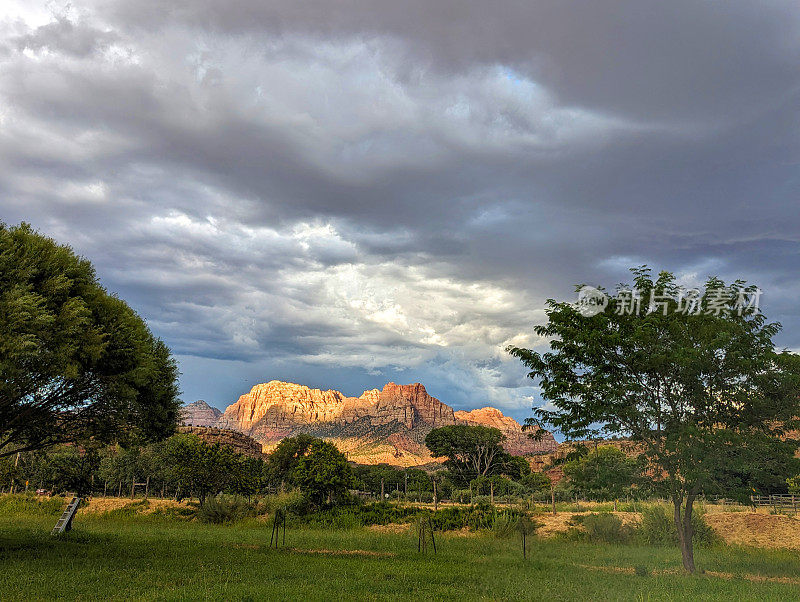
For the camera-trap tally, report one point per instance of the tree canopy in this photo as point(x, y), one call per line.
point(75, 361)
point(605, 473)
point(693, 376)
point(285, 457)
point(199, 467)
point(471, 451)
point(322, 473)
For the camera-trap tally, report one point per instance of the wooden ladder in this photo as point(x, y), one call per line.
point(65, 522)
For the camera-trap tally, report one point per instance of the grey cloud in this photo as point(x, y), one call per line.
point(664, 59)
point(65, 36)
point(390, 191)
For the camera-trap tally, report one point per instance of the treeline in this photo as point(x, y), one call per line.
point(181, 466)
point(184, 466)
point(416, 485)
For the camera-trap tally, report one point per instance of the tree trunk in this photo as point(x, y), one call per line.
point(685, 534)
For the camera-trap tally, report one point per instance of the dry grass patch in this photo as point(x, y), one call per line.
point(757, 529)
point(101, 505)
point(552, 524)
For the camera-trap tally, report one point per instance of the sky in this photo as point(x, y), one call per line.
point(342, 194)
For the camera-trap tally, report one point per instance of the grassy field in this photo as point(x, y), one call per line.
point(119, 556)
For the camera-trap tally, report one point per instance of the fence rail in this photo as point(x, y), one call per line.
point(777, 501)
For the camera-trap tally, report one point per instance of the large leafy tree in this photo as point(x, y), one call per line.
point(75, 361)
point(198, 467)
point(471, 451)
point(605, 473)
point(322, 473)
point(694, 377)
point(285, 457)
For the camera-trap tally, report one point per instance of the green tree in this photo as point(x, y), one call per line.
point(471, 451)
point(197, 466)
point(516, 467)
point(370, 477)
point(62, 468)
point(699, 385)
point(75, 361)
point(604, 474)
point(285, 457)
point(536, 482)
point(246, 476)
point(323, 474)
point(418, 482)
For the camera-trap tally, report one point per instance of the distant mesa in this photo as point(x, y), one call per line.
point(239, 442)
point(387, 425)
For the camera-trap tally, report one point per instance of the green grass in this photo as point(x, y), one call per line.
point(157, 557)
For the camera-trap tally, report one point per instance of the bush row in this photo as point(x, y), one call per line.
point(656, 527)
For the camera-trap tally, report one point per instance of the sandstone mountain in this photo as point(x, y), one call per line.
point(199, 413)
point(387, 425)
point(517, 441)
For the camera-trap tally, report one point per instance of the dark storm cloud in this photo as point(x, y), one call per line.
point(383, 190)
point(649, 58)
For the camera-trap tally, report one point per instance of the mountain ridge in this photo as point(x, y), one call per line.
point(381, 425)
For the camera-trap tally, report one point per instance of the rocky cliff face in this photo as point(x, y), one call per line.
point(199, 413)
point(386, 425)
point(279, 405)
point(239, 442)
point(517, 441)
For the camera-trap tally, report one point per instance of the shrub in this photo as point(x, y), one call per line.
point(505, 526)
point(29, 504)
point(600, 527)
point(220, 510)
point(658, 527)
point(173, 512)
point(479, 516)
point(641, 571)
point(292, 501)
point(606, 527)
